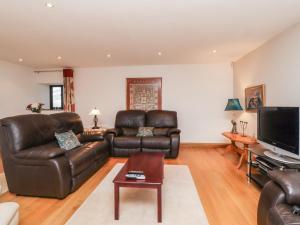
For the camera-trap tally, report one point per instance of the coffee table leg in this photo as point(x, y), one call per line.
point(117, 201)
point(159, 217)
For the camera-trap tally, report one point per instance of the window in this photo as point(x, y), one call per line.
point(56, 97)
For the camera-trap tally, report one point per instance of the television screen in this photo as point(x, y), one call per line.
point(279, 126)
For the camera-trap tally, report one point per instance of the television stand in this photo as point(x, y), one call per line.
point(259, 164)
point(281, 158)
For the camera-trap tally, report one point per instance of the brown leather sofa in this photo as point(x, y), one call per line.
point(34, 164)
point(277, 199)
point(123, 140)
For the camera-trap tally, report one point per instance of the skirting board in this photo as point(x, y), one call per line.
point(203, 145)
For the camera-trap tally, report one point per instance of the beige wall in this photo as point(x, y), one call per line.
point(275, 64)
point(18, 88)
point(197, 92)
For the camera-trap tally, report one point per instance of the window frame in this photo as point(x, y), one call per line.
point(51, 97)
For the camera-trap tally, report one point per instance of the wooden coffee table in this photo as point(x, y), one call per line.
point(153, 166)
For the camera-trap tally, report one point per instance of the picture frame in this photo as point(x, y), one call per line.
point(144, 93)
point(254, 98)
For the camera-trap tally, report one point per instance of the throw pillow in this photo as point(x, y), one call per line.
point(145, 132)
point(67, 140)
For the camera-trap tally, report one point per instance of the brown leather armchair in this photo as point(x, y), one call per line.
point(34, 164)
point(124, 141)
point(277, 199)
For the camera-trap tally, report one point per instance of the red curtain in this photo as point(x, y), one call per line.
point(69, 101)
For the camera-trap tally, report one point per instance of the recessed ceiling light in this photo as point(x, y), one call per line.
point(20, 60)
point(159, 53)
point(108, 55)
point(214, 51)
point(59, 57)
point(49, 5)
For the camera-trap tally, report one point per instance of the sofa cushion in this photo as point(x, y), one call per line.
point(80, 158)
point(46, 151)
point(31, 130)
point(161, 119)
point(127, 142)
point(129, 131)
point(67, 121)
point(160, 131)
point(124, 152)
point(130, 119)
point(100, 148)
point(156, 142)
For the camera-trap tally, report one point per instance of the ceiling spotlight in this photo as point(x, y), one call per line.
point(108, 55)
point(20, 60)
point(59, 57)
point(159, 53)
point(49, 5)
point(214, 51)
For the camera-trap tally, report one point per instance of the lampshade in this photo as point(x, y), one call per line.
point(94, 112)
point(233, 104)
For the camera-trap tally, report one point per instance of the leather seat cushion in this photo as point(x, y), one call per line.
point(80, 158)
point(127, 142)
point(157, 142)
point(100, 147)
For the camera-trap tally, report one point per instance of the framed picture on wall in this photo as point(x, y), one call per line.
point(144, 93)
point(254, 98)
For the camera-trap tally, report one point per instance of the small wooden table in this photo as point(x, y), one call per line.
point(237, 138)
point(153, 166)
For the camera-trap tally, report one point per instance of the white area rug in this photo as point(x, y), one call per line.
point(3, 184)
point(181, 204)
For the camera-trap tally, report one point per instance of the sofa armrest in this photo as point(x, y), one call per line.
point(289, 181)
point(114, 131)
point(173, 131)
point(282, 214)
point(42, 154)
point(90, 137)
point(53, 176)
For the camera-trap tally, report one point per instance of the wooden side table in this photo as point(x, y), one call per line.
point(237, 138)
point(93, 134)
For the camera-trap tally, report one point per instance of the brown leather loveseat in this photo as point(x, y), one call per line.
point(34, 164)
point(166, 137)
point(278, 198)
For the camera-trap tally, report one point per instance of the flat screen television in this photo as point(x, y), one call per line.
point(279, 126)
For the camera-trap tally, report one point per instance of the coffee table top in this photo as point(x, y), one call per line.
point(151, 163)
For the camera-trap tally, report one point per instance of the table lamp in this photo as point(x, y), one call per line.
point(233, 104)
point(95, 112)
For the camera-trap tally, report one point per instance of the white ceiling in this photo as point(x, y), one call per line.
point(83, 32)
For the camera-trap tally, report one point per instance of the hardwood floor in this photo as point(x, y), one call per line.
point(225, 194)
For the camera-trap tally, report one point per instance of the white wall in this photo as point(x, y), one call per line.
point(197, 92)
point(275, 64)
point(50, 77)
point(18, 88)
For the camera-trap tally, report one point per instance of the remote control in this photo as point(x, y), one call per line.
point(135, 172)
point(135, 176)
